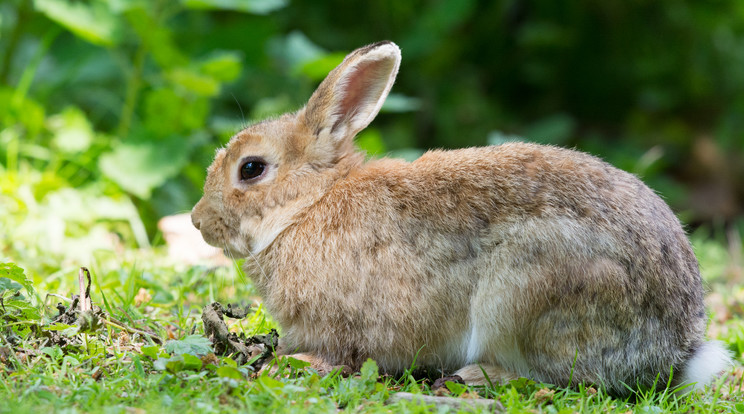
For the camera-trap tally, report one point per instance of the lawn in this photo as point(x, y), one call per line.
point(139, 346)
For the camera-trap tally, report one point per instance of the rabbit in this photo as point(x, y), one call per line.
point(517, 260)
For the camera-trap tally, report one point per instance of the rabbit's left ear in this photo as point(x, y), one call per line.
point(352, 94)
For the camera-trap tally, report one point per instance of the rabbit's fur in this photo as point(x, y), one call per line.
point(522, 259)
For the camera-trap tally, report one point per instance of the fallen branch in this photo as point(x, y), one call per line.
point(119, 325)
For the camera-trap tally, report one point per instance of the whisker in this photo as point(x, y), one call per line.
point(237, 268)
point(242, 115)
point(263, 273)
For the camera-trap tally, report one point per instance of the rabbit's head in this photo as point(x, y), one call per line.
point(271, 171)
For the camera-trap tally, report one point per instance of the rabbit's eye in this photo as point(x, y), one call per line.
point(252, 169)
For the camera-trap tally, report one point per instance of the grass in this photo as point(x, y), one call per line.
point(118, 369)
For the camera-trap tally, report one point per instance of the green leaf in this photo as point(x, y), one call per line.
point(496, 137)
point(195, 82)
point(26, 309)
point(370, 141)
point(268, 383)
point(317, 69)
point(54, 352)
point(522, 384)
point(91, 21)
point(555, 129)
point(16, 274)
point(168, 112)
point(72, 130)
point(173, 364)
point(118, 6)
point(455, 388)
point(247, 6)
point(370, 371)
point(407, 154)
point(270, 106)
point(297, 364)
point(27, 112)
point(296, 50)
point(191, 362)
point(81, 206)
point(434, 26)
point(396, 102)
point(95, 347)
point(7, 284)
point(227, 371)
point(223, 66)
point(151, 351)
point(192, 344)
point(139, 167)
point(72, 361)
point(57, 327)
point(157, 38)
point(138, 368)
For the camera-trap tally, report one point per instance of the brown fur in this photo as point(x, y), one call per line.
point(525, 259)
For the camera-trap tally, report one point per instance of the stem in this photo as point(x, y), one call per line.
point(24, 84)
point(12, 151)
point(134, 84)
point(15, 36)
point(113, 323)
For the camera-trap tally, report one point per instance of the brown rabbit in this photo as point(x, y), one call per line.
point(525, 260)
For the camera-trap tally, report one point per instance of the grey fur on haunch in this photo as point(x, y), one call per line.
point(516, 260)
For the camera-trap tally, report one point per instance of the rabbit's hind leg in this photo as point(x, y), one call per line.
point(482, 374)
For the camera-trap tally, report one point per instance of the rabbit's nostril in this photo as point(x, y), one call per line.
point(195, 222)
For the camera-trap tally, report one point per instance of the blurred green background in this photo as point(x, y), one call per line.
point(110, 110)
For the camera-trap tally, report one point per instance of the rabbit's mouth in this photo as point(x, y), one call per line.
point(220, 237)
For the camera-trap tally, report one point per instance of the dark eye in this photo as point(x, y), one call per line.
point(252, 169)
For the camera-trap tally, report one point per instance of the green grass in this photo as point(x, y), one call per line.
point(169, 369)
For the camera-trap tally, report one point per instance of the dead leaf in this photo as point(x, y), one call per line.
point(143, 296)
point(544, 395)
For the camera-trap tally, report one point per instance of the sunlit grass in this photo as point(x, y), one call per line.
point(142, 288)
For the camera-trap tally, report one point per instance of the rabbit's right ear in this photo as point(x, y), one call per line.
point(352, 94)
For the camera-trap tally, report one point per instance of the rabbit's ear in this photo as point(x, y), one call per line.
point(352, 94)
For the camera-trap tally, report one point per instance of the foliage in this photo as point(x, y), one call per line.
point(12, 277)
point(110, 111)
point(137, 94)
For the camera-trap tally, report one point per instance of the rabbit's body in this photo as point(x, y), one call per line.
point(542, 257)
point(527, 260)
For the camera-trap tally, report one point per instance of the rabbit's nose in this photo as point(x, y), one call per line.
point(195, 221)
